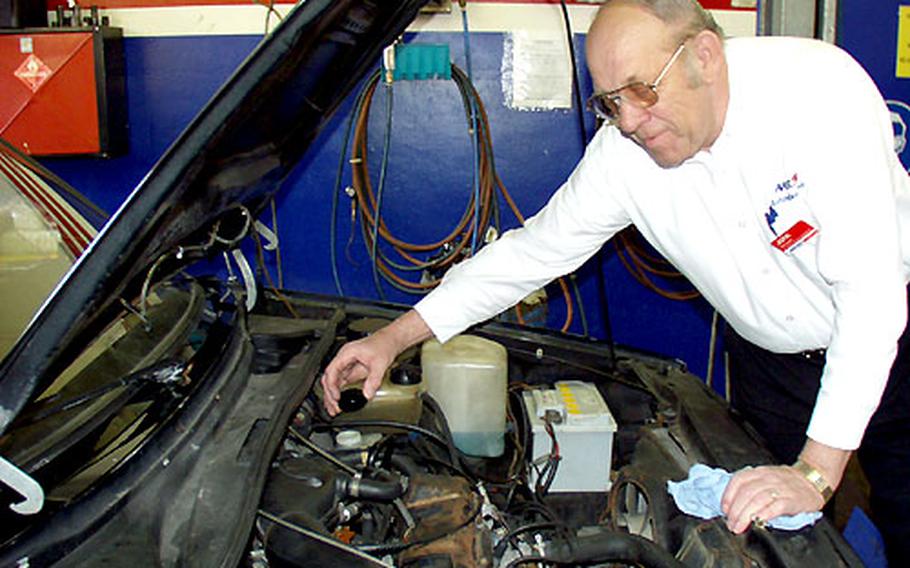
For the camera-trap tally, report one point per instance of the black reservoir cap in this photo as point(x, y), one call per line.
point(404, 376)
point(352, 400)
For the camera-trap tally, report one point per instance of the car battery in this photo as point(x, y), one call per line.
point(583, 428)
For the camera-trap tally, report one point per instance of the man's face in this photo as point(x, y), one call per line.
point(628, 44)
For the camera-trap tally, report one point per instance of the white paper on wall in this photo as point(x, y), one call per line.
point(536, 71)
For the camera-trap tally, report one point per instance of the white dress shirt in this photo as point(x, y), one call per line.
point(789, 225)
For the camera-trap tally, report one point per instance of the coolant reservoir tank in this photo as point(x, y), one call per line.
point(467, 376)
point(397, 399)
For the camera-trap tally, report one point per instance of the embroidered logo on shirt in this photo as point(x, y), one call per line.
point(785, 191)
point(771, 217)
point(788, 184)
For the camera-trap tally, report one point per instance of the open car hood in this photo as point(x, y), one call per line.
point(235, 153)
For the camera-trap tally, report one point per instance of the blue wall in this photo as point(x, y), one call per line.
point(168, 81)
point(429, 179)
point(868, 30)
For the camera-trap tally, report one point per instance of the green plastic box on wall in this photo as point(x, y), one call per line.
point(417, 61)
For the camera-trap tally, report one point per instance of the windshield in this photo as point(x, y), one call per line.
point(111, 397)
point(41, 235)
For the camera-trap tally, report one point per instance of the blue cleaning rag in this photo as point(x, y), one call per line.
point(700, 495)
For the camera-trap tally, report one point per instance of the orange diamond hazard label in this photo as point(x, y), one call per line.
point(33, 72)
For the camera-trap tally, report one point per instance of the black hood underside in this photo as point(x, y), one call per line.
point(233, 156)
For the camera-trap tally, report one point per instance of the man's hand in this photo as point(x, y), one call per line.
point(763, 493)
point(365, 360)
point(369, 358)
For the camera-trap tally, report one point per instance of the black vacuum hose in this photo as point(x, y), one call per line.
point(371, 489)
point(612, 546)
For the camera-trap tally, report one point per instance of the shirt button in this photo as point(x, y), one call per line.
point(741, 224)
point(789, 318)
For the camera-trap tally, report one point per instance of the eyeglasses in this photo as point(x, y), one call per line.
point(641, 94)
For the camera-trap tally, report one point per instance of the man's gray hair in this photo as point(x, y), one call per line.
point(687, 14)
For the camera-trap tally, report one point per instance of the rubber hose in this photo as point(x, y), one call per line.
point(613, 547)
point(371, 489)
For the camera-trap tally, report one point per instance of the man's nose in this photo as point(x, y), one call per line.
point(631, 118)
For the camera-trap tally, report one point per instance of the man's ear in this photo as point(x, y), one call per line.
point(708, 49)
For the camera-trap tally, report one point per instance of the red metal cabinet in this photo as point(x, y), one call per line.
point(62, 91)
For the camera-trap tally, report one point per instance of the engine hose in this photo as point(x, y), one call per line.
point(613, 546)
point(371, 489)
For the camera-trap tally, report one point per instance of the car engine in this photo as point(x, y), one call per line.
point(385, 484)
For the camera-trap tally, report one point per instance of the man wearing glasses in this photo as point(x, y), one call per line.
point(764, 169)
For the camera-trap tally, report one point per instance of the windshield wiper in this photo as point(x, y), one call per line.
point(169, 373)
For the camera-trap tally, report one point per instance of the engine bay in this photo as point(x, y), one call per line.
point(525, 447)
point(386, 483)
